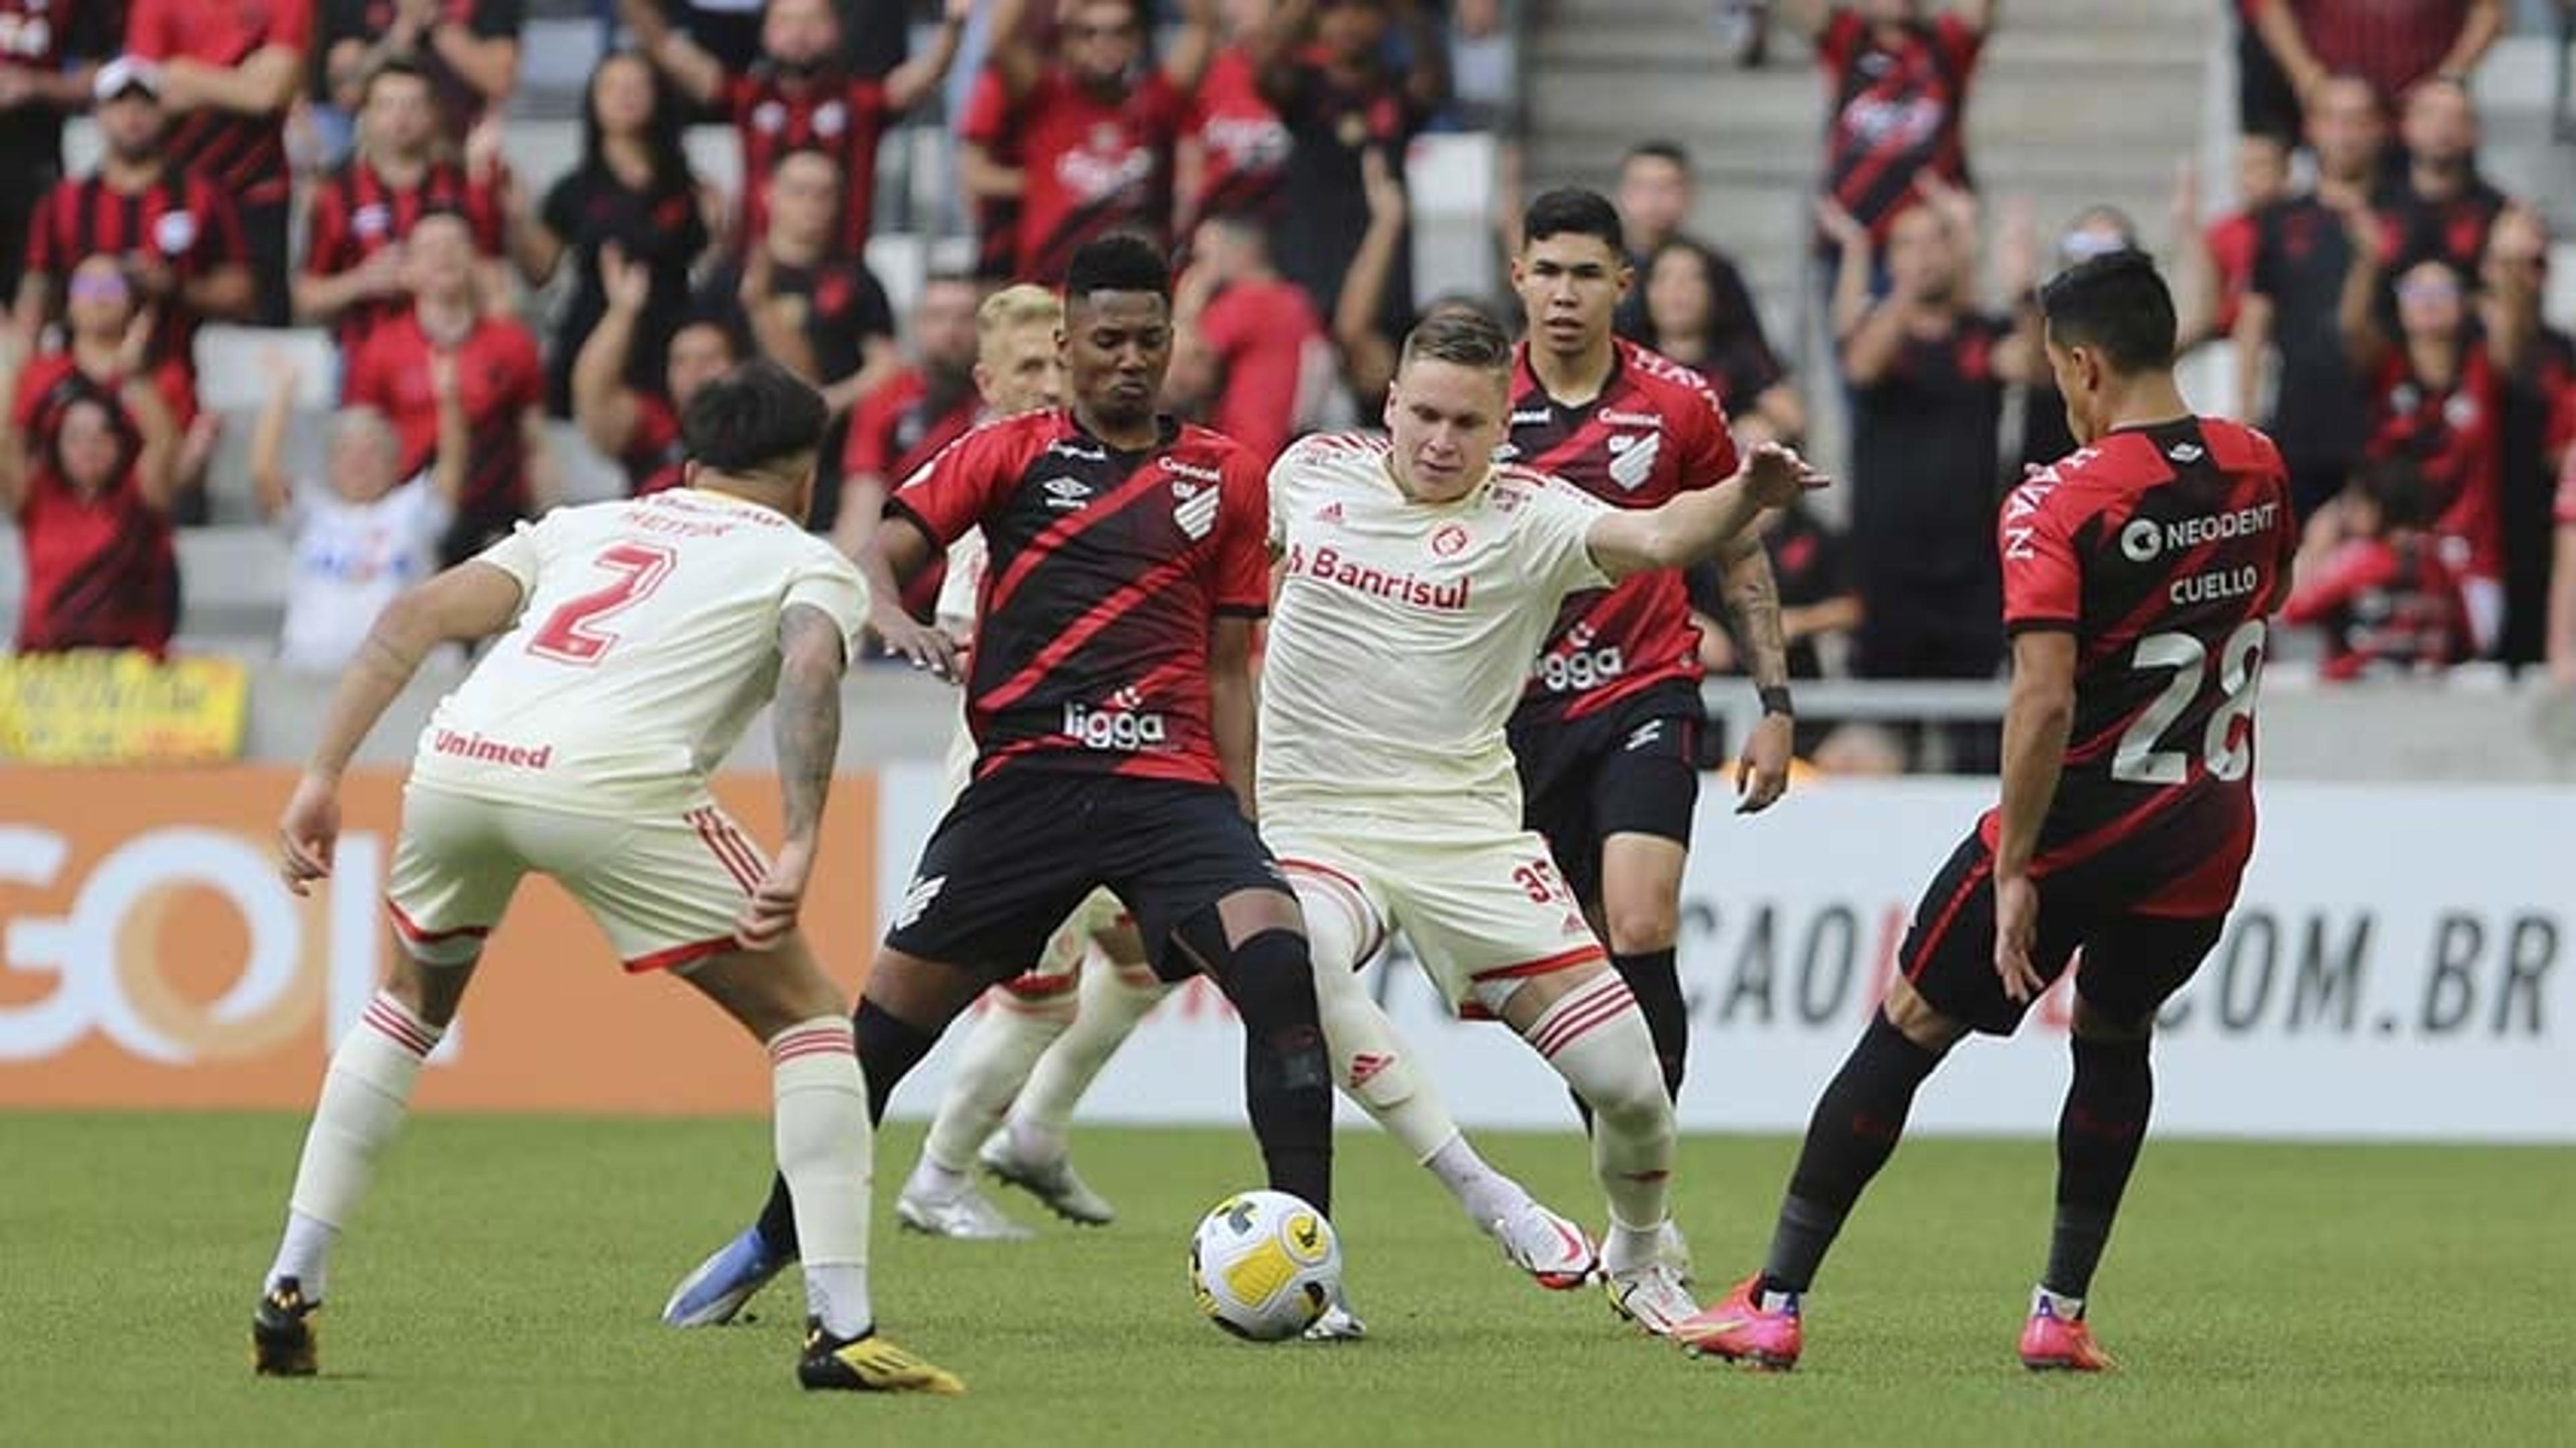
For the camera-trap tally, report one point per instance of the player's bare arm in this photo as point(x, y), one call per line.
point(472, 601)
point(806, 715)
point(2036, 725)
point(895, 550)
point(1753, 605)
point(1698, 525)
point(1233, 709)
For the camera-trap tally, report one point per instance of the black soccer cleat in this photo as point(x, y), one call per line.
point(867, 1363)
point(281, 1333)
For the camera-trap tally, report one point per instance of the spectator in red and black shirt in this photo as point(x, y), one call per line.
point(799, 97)
point(231, 69)
point(990, 170)
point(468, 50)
point(1340, 98)
point(640, 426)
point(46, 61)
point(87, 472)
point(2392, 44)
point(2537, 363)
point(1249, 354)
point(360, 213)
point(632, 189)
point(498, 378)
point(922, 408)
point(174, 231)
point(2383, 596)
point(1096, 125)
point(1655, 196)
point(2440, 207)
point(805, 303)
point(2227, 246)
point(1691, 316)
point(1234, 149)
point(1899, 83)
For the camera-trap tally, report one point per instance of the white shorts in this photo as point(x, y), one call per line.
point(1485, 908)
point(665, 890)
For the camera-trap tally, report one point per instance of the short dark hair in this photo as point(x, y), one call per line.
point(391, 65)
point(1573, 211)
point(1460, 336)
point(1658, 150)
point(1119, 262)
point(2396, 486)
point(2116, 305)
point(753, 419)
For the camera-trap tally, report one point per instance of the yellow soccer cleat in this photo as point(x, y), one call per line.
point(868, 1364)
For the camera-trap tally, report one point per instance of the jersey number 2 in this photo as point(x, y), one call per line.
point(2137, 760)
point(571, 634)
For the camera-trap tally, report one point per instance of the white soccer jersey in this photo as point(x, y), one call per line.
point(646, 641)
point(1404, 632)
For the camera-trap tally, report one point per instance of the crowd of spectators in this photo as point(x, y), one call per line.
point(2383, 297)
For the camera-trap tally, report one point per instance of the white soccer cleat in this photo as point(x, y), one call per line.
point(965, 1217)
point(1335, 1325)
point(1652, 1296)
point(1673, 1250)
point(1051, 1182)
point(1556, 1253)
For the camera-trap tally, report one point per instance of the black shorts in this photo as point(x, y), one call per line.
point(1021, 848)
point(2132, 963)
point(1629, 769)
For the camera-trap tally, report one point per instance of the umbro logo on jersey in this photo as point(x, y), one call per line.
point(1632, 461)
point(917, 897)
point(2186, 453)
point(1196, 515)
point(1645, 734)
point(1066, 492)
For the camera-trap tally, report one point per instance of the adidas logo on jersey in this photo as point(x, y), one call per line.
point(1329, 513)
point(1632, 460)
point(1196, 510)
point(917, 897)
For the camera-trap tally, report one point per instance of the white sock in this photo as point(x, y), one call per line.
point(1487, 1195)
point(2058, 1304)
point(1113, 1003)
point(932, 1181)
point(825, 1148)
point(1596, 1038)
point(1371, 1063)
point(365, 1096)
point(1004, 1046)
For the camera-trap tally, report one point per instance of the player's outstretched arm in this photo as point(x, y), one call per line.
point(1702, 523)
point(806, 714)
point(473, 600)
point(2036, 725)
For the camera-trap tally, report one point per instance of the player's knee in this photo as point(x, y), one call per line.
point(2093, 1023)
point(1643, 922)
point(430, 989)
point(1918, 1020)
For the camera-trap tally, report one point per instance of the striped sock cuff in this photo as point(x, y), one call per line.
point(1578, 1012)
point(395, 1022)
point(821, 1036)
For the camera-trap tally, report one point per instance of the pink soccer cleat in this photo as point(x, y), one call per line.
point(2050, 1343)
point(1739, 1330)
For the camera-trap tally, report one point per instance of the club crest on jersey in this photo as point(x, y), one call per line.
point(1195, 510)
point(1448, 542)
point(1632, 460)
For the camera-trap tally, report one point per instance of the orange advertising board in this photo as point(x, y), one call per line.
point(150, 957)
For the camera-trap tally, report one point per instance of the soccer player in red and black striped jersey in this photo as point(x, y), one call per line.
point(230, 69)
point(361, 212)
point(2139, 573)
point(175, 231)
point(799, 98)
point(1607, 734)
point(1096, 124)
point(1898, 110)
point(1110, 696)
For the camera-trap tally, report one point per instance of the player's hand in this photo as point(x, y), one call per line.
point(1762, 773)
point(1840, 226)
point(926, 646)
point(770, 913)
point(626, 283)
point(1776, 476)
point(308, 834)
point(2016, 927)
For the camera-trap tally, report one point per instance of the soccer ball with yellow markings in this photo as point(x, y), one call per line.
point(1264, 1265)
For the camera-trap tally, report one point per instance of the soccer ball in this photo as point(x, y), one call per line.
point(1264, 1265)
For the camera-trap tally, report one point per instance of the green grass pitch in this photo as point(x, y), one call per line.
point(502, 1282)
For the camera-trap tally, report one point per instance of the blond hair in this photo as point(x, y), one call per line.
point(1014, 307)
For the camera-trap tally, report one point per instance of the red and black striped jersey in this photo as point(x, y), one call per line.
point(1655, 430)
point(1244, 142)
point(1108, 572)
point(102, 571)
point(243, 154)
point(356, 213)
point(183, 220)
point(842, 116)
point(1896, 110)
point(1094, 166)
point(2163, 549)
point(2383, 602)
point(991, 121)
point(2452, 434)
point(500, 381)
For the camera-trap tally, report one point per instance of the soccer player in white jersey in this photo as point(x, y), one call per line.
point(1419, 580)
point(640, 639)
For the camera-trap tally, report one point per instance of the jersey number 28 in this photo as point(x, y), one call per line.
point(571, 634)
point(2137, 760)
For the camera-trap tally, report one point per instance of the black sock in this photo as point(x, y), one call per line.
point(888, 1050)
point(1287, 1077)
point(2098, 1137)
point(1654, 977)
point(1856, 1127)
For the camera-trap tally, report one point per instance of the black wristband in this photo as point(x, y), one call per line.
point(1775, 699)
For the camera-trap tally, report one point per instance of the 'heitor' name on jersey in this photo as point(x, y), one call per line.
point(1329, 566)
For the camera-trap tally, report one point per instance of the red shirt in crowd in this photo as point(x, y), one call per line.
point(1897, 110)
point(2451, 433)
point(497, 372)
point(102, 571)
point(1240, 136)
point(988, 122)
point(2384, 601)
point(356, 213)
point(2390, 43)
point(1094, 166)
point(244, 155)
point(894, 431)
point(2233, 240)
point(1271, 346)
point(841, 116)
point(185, 221)
point(653, 451)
